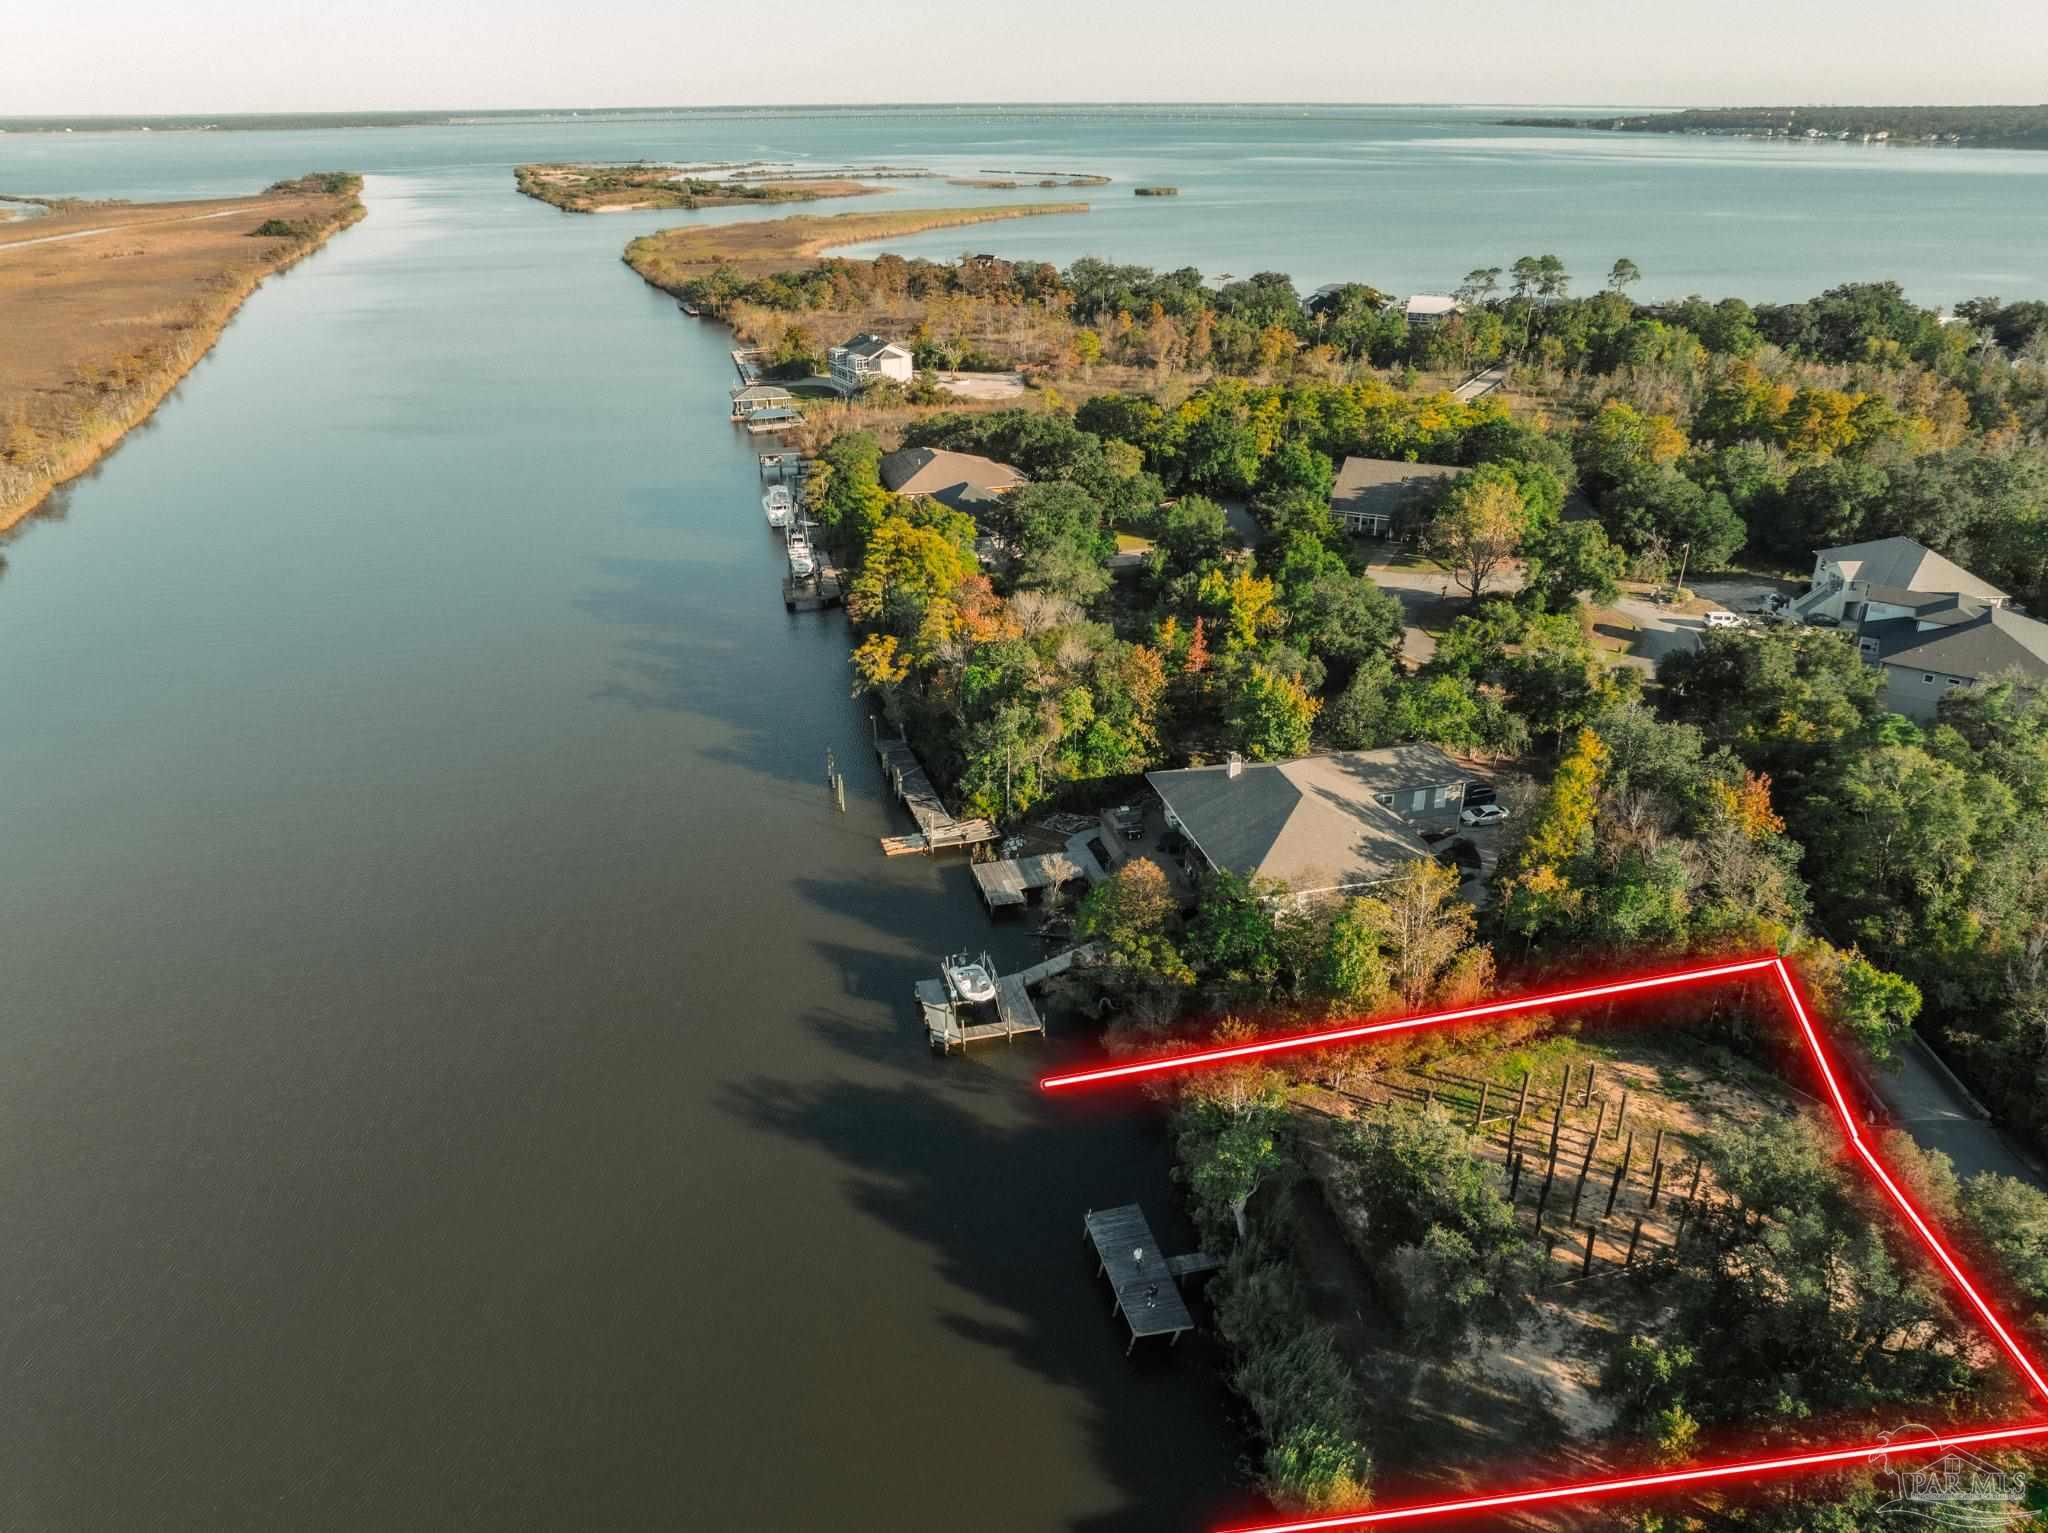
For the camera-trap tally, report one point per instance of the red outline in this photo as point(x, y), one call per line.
point(1698, 1474)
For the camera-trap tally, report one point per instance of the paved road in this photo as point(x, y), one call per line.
point(1926, 1105)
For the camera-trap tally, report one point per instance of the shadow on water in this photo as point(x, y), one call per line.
point(996, 1197)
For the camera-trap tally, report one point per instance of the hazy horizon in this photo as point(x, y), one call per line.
point(385, 56)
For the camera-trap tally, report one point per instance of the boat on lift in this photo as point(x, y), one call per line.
point(779, 504)
point(967, 981)
point(802, 562)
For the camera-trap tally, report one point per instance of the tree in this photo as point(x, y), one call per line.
point(1623, 275)
point(1268, 714)
point(1570, 558)
point(1478, 527)
point(1135, 916)
point(1424, 927)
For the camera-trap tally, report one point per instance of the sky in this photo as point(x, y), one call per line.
point(137, 57)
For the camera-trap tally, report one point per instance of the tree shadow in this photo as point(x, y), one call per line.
point(994, 1184)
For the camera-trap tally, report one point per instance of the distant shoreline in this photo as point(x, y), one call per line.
point(1946, 127)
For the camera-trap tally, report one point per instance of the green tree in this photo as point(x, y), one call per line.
point(1570, 559)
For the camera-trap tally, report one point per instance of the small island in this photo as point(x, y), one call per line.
point(1979, 127)
point(119, 300)
point(647, 185)
point(1155, 191)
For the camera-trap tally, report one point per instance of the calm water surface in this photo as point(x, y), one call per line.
point(456, 1069)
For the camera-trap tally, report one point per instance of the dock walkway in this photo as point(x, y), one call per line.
point(1145, 1281)
point(1016, 1014)
point(936, 827)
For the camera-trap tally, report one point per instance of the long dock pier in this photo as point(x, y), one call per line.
point(946, 1021)
point(936, 827)
point(1146, 1282)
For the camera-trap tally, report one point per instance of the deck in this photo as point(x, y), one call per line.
point(1011, 881)
point(1146, 1282)
point(814, 593)
point(936, 827)
point(1015, 1014)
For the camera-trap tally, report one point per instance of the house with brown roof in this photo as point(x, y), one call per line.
point(962, 480)
point(1330, 824)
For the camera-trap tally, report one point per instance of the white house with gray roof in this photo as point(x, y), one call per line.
point(1329, 824)
point(1844, 577)
point(866, 358)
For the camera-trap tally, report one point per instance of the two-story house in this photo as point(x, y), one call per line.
point(1930, 624)
point(866, 358)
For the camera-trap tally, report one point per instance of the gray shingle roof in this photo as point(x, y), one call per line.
point(1313, 823)
point(1385, 486)
point(1990, 640)
point(870, 346)
point(1904, 564)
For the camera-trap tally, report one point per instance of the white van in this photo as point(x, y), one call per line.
point(1723, 620)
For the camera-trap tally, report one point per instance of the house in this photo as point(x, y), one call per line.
point(760, 399)
point(961, 480)
point(1380, 496)
point(1328, 824)
point(1927, 622)
point(1427, 309)
point(1844, 577)
point(867, 357)
point(1928, 645)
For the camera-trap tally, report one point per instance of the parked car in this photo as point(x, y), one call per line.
point(1129, 820)
point(1484, 814)
point(1477, 793)
point(1770, 602)
point(1720, 619)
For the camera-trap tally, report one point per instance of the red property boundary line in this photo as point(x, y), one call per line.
point(1742, 1469)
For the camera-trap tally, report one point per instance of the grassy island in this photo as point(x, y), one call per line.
point(677, 256)
point(644, 185)
point(1155, 191)
point(107, 305)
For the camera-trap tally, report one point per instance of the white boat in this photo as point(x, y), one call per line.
point(778, 504)
point(968, 981)
point(802, 562)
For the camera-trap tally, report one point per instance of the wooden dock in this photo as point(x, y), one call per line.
point(1012, 880)
point(1146, 1281)
point(936, 827)
point(948, 1024)
point(814, 593)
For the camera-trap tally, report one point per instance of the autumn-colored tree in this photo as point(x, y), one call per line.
point(1422, 924)
point(1747, 805)
point(1539, 894)
point(1819, 422)
point(1135, 915)
point(1478, 528)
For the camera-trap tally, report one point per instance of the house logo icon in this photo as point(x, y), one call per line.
point(1956, 1490)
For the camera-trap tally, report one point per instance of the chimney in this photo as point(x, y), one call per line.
point(1236, 764)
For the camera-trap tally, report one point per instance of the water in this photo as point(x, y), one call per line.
point(456, 1069)
point(1409, 198)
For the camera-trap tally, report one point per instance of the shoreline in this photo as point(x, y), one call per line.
point(23, 490)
